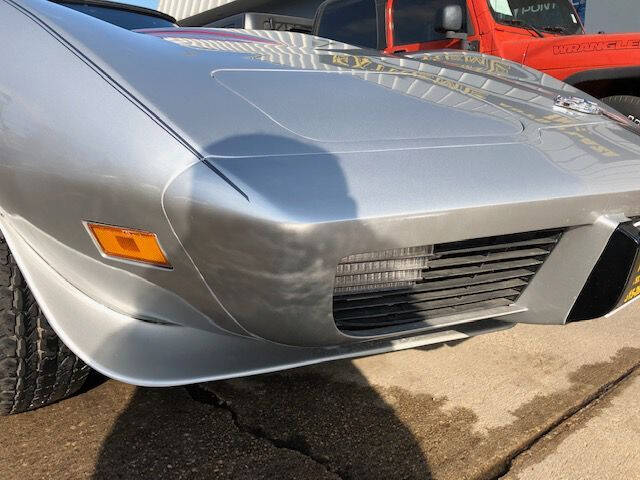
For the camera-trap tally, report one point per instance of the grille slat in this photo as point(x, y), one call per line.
point(441, 285)
point(456, 278)
point(377, 266)
point(500, 246)
point(492, 267)
point(440, 314)
point(435, 295)
point(489, 257)
point(373, 312)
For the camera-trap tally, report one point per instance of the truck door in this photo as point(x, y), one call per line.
point(414, 25)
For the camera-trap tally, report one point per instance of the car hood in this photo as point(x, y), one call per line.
point(330, 93)
point(207, 85)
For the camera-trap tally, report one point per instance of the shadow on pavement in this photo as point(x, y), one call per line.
point(94, 380)
point(298, 425)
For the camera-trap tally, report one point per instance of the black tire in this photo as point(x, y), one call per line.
point(36, 368)
point(627, 104)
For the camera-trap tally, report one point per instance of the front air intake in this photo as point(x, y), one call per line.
point(435, 285)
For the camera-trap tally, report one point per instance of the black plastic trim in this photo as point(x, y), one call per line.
point(606, 284)
point(599, 74)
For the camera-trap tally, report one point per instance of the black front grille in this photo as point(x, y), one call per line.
point(408, 285)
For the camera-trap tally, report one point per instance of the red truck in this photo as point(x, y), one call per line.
point(546, 35)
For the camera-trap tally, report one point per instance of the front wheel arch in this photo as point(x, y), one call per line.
point(36, 367)
point(607, 82)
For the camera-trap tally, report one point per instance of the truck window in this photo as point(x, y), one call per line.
point(416, 21)
point(349, 21)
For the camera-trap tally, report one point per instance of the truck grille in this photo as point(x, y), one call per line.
point(433, 283)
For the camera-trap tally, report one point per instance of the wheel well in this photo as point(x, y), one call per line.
point(605, 82)
point(607, 87)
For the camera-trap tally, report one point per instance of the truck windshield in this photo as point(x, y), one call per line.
point(416, 21)
point(553, 16)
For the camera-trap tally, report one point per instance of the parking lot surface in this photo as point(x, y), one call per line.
point(532, 402)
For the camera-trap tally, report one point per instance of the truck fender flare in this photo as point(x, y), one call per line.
point(618, 73)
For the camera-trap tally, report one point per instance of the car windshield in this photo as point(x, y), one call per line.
point(129, 16)
point(554, 16)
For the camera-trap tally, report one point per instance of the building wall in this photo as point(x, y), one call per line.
point(185, 8)
point(613, 16)
point(180, 9)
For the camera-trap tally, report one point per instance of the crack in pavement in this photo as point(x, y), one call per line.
point(602, 392)
point(295, 444)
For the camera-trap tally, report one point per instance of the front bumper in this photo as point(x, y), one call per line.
point(152, 354)
point(149, 354)
point(276, 277)
point(270, 256)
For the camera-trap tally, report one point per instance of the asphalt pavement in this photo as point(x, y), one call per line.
point(532, 402)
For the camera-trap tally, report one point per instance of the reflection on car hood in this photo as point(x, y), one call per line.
point(330, 93)
point(442, 95)
point(211, 84)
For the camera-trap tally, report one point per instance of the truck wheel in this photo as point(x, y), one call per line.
point(627, 104)
point(36, 368)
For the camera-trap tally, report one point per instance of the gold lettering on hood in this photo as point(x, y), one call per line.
point(359, 62)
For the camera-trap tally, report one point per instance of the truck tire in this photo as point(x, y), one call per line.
point(36, 368)
point(627, 104)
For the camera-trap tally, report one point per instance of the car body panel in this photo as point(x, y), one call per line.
point(562, 56)
point(153, 355)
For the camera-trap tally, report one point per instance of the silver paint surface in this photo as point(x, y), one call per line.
point(260, 159)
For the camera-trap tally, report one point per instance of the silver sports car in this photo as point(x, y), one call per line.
point(188, 204)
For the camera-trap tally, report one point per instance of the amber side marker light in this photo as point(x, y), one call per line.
point(128, 244)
